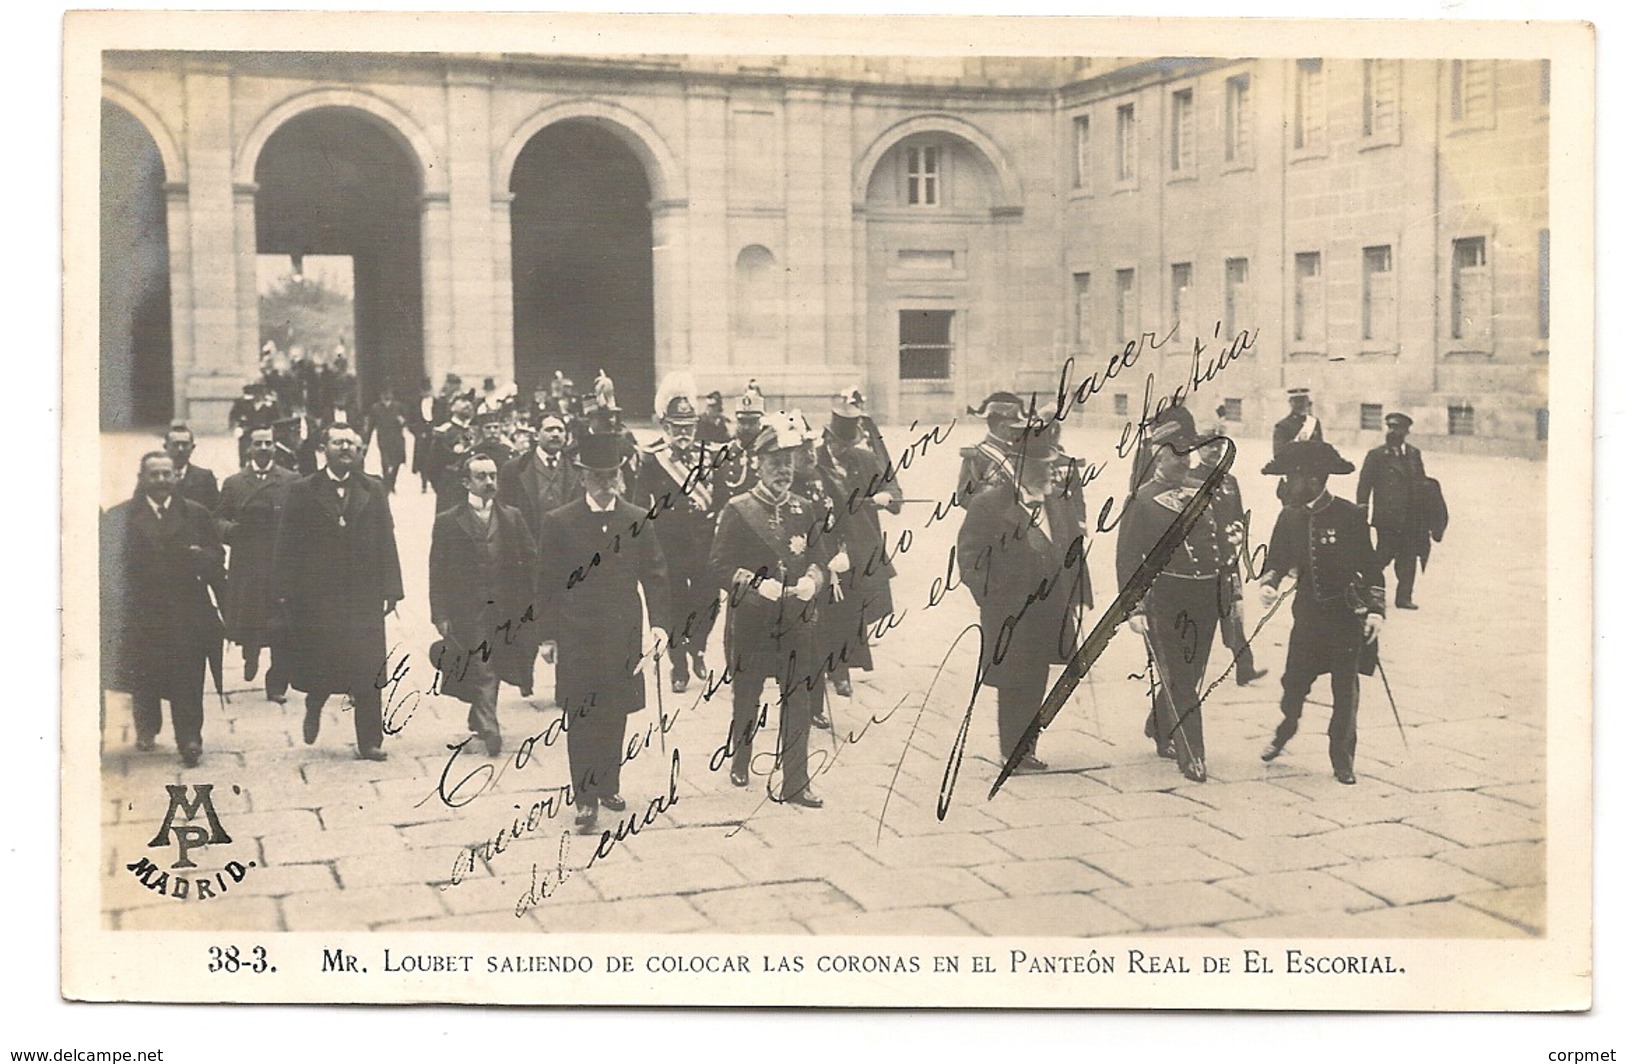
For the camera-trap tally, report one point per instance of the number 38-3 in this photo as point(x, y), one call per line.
point(231, 960)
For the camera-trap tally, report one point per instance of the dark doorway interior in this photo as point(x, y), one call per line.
point(583, 268)
point(333, 181)
point(137, 364)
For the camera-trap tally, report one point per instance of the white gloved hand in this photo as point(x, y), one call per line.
point(1268, 595)
point(883, 499)
point(656, 640)
point(1373, 625)
point(771, 589)
point(1136, 621)
point(841, 563)
point(805, 589)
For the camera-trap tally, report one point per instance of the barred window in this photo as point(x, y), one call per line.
point(1232, 409)
point(1182, 132)
point(1371, 415)
point(925, 348)
point(1461, 420)
point(1120, 404)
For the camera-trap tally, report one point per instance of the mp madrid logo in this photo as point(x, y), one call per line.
point(189, 881)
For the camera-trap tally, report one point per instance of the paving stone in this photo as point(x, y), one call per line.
point(488, 894)
point(793, 827)
point(1409, 880)
point(1300, 891)
point(1477, 820)
point(1439, 919)
point(361, 908)
point(815, 861)
point(272, 822)
point(329, 845)
point(289, 879)
point(1062, 840)
point(1161, 864)
point(662, 840)
point(1059, 915)
point(1265, 854)
point(1256, 820)
point(929, 921)
point(798, 900)
point(1242, 793)
point(433, 865)
point(1036, 812)
point(887, 889)
point(903, 853)
point(1176, 904)
point(1146, 806)
point(1293, 925)
point(1523, 906)
point(486, 923)
point(1165, 831)
point(651, 916)
point(1509, 864)
point(216, 914)
point(616, 880)
point(1384, 840)
point(1057, 876)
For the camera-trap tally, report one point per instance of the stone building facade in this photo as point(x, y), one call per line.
point(930, 229)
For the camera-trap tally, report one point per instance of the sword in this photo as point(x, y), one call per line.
point(1389, 691)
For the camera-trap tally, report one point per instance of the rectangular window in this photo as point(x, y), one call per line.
point(1232, 409)
point(1543, 294)
point(1182, 133)
point(1120, 404)
point(924, 176)
point(1238, 119)
point(1082, 322)
point(1472, 91)
point(925, 345)
point(1238, 309)
point(1179, 286)
point(1127, 146)
point(1308, 299)
point(1381, 106)
point(1461, 420)
point(1469, 289)
point(1371, 416)
point(1309, 106)
point(1080, 153)
point(1377, 294)
point(1128, 307)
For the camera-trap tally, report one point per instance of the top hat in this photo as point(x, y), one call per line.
point(1397, 420)
point(1315, 457)
point(600, 452)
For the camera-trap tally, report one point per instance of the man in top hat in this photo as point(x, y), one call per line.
point(714, 428)
point(1021, 557)
point(1180, 612)
point(773, 567)
point(160, 563)
point(191, 481)
point(992, 461)
point(590, 570)
point(676, 481)
point(335, 575)
point(1339, 607)
point(386, 423)
point(1300, 424)
point(738, 471)
point(482, 564)
point(448, 446)
point(1392, 491)
point(251, 504)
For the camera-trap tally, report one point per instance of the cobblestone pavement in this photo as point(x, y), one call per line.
point(1443, 837)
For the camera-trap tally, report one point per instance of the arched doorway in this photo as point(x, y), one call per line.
point(337, 181)
point(583, 263)
point(137, 365)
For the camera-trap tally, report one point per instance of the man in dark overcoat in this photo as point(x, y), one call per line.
point(1021, 541)
point(482, 564)
point(675, 482)
point(160, 559)
point(386, 423)
point(250, 509)
point(1339, 604)
point(336, 573)
point(1392, 490)
point(769, 558)
point(590, 568)
point(191, 481)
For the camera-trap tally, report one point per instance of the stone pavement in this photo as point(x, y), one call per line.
point(1443, 837)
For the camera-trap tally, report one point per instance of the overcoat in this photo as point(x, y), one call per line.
point(590, 568)
point(505, 621)
point(333, 569)
point(250, 510)
point(1394, 486)
point(528, 485)
point(158, 621)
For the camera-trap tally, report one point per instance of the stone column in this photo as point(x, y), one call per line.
point(468, 162)
point(671, 250)
point(180, 289)
point(839, 233)
point(806, 209)
point(248, 285)
point(439, 311)
point(502, 283)
point(708, 257)
point(214, 377)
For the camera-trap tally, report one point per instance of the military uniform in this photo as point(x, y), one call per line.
point(685, 500)
point(1393, 483)
point(449, 445)
point(1328, 544)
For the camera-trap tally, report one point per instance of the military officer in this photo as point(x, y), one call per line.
point(191, 481)
point(1391, 490)
point(993, 459)
point(251, 503)
point(675, 481)
point(1230, 513)
point(590, 570)
point(738, 471)
point(1339, 607)
point(160, 559)
point(766, 556)
point(1020, 555)
point(482, 565)
point(1300, 424)
point(449, 445)
point(489, 440)
point(714, 428)
point(852, 398)
point(386, 422)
